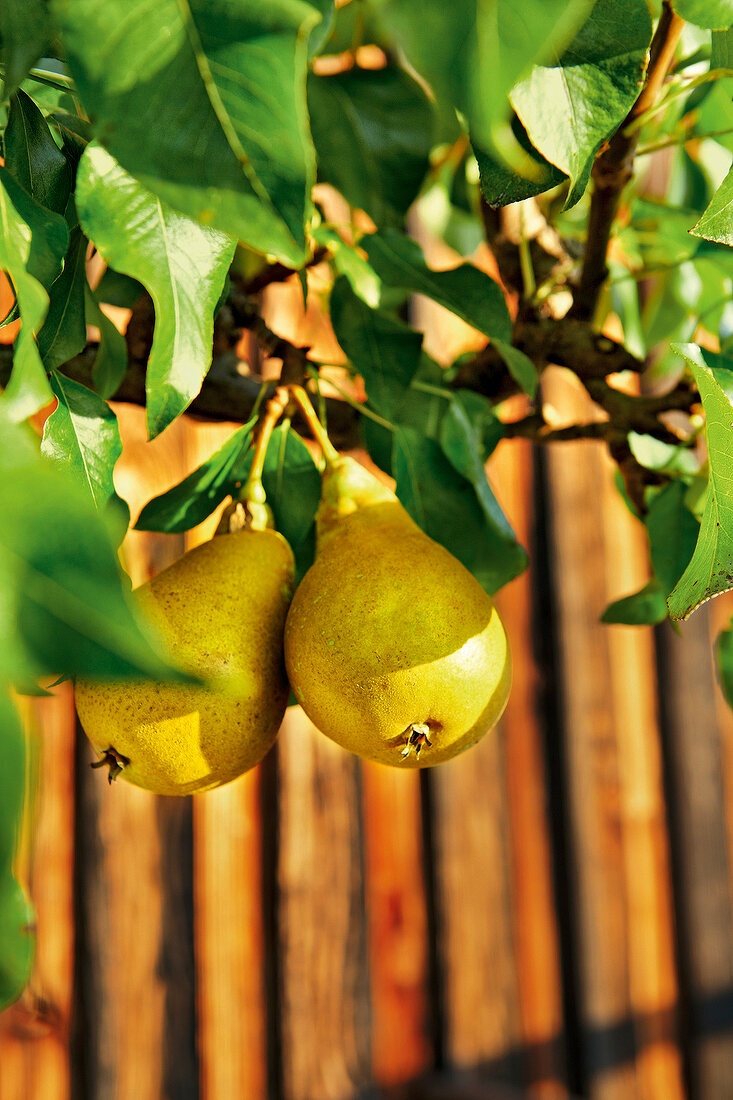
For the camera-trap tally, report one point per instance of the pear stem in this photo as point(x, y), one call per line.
point(253, 491)
point(320, 434)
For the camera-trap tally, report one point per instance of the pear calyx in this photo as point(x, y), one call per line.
point(417, 736)
point(115, 761)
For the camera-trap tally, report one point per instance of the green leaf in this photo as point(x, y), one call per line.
point(348, 261)
point(33, 157)
point(716, 224)
point(16, 940)
point(710, 572)
point(25, 29)
point(196, 497)
point(472, 53)
point(571, 107)
point(386, 352)
point(721, 53)
point(320, 33)
point(667, 458)
point(64, 606)
point(110, 363)
point(456, 509)
point(724, 662)
point(643, 608)
point(465, 291)
point(521, 367)
point(82, 435)
point(32, 242)
point(712, 14)
point(470, 427)
point(203, 102)
point(372, 129)
point(502, 184)
point(64, 332)
point(181, 263)
point(673, 532)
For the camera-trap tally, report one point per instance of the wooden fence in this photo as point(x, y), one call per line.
point(550, 915)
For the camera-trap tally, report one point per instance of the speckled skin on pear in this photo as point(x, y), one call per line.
point(388, 630)
point(221, 609)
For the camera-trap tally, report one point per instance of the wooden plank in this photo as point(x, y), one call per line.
point(696, 733)
point(324, 980)
point(628, 983)
point(229, 914)
point(136, 991)
point(397, 923)
point(535, 922)
point(34, 1033)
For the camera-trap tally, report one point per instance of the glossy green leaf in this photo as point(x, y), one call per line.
point(716, 224)
point(33, 157)
point(521, 367)
point(25, 29)
point(712, 14)
point(501, 184)
point(673, 532)
point(82, 435)
point(372, 129)
point(64, 332)
point(455, 508)
point(348, 261)
point(469, 431)
point(33, 241)
point(469, 293)
point(724, 662)
point(181, 263)
point(384, 351)
point(203, 102)
point(721, 53)
point(643, 608)
point(710, 572)
point(570, 108)
point(110, 362)
point(64, 606)
point(196, 497)
point(472, 53)
point(321, 31)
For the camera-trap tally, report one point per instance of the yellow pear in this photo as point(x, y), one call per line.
point(221, 610)
point(393, 649)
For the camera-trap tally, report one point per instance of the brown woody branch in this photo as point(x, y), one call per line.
point(613, 168)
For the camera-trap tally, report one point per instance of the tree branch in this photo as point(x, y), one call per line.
point(613, 168)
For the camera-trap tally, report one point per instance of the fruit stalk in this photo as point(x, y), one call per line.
point(251, 511)
point(320, 434)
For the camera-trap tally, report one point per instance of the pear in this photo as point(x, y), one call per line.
point(221, 610)
point(392, 647)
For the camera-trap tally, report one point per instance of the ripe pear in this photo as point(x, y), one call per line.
point(221, 610)
point(392, 647)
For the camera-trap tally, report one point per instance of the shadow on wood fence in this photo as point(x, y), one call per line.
point(549, 915)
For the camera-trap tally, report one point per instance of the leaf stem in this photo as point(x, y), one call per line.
point(367, 412)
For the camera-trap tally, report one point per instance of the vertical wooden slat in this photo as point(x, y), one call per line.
point(397, 923)
point(136, 990)
point(698, 807)
point(628, 983)
point(324, 977)
point(34, 1033)
point(228, 886)
point(653, 986)
point(534, 916)
point(475, 904)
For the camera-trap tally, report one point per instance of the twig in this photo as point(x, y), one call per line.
point(613, 168)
